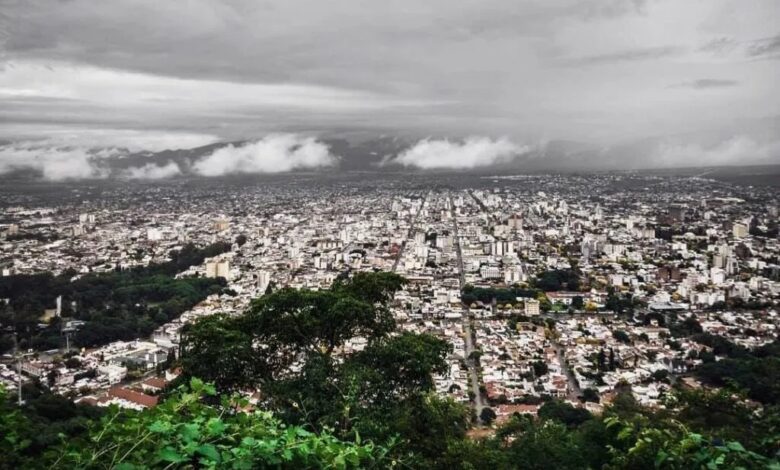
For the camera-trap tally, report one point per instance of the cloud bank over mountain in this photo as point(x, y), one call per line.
point(276, 153)
point(60, 154)
point(53, 160)
point(471, 153)
point(738, 148)
point(54, 163)
point(152, 171)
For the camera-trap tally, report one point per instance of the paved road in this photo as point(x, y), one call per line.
point(483, 207)
point(479, 402)
point(410, 234)
point(574, 388)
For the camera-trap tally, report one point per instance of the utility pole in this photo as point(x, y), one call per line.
point(19, 372)
point(19, 355)
point(18, 368)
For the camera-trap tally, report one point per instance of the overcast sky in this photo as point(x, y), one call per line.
point(168, 73)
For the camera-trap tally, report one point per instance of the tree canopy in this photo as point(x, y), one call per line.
point(117, 305)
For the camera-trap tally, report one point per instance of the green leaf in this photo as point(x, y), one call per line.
point(209, 451)
point(735, 446)
point(190, 432)
point(160, 427)
point(660, 458)
point(168, 454)
point(215, 426)
point(196, 385)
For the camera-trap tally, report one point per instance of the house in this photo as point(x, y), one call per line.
point(154, 385)
point(135, 399)
point(505, 412)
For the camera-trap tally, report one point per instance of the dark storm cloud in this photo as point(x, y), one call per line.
point(486, 68)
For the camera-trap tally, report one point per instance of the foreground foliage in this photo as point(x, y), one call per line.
point(185, 432)
point(626, 437)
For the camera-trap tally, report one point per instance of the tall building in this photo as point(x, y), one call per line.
point(490, 272)
point(515, 221)
point(263, 279)
point(532, 307)
point(502, 247)
point(740, 230)
point(220, 225)
point(154, 234)
point(218, 268)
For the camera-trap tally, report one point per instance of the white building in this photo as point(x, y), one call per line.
point(531, 307)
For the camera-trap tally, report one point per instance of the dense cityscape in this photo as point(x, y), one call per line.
point(566, 287)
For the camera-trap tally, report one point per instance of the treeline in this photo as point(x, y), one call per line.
point(621, 303)
point(753, 372)
point(547, 281)
point(472, 294)
point(627, 436)
point(37, 236)
point(119, 305)
point(189, 255)
point(557, 279)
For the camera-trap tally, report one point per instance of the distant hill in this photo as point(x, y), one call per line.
point(377, 154)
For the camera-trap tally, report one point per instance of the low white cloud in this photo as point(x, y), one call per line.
point(54, 163)
point(471, 153)
point(151, 171)
point(276, 153)
point(59, 153)
point(739, 149)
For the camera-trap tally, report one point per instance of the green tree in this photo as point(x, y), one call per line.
point(379, 392)
point(621, 336)
point(563, 412)
point(487, 416)
point(282, 326)
point(591, 395)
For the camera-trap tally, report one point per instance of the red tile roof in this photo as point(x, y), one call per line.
point(155, 382)
point(133, 396)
